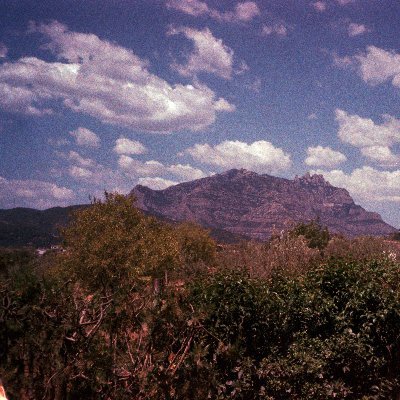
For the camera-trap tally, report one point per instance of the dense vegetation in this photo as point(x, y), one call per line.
point(137, 309)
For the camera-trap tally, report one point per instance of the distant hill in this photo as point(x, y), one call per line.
point(30, 227)
point(248, 204)
point(234, 205)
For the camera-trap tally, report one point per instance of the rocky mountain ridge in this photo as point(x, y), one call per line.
point(246, 203)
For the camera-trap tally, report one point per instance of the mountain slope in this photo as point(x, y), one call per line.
point(235, 204)
point(245, 203)
point(27, 226)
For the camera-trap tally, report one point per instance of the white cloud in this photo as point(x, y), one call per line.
point(383, 155)
point(319, 6)
point(3, 50)
point(375, 65)
point(222, 105)
point(137, 168)
point(33, 193)
point(79, 172)
point(378, 65)
point(156, 183)
point(128, 146)
point(259, 156)
point(209, 54)
point(279, 29)
point(156, 169)
point(355, 29)
point(364, 132)
point(342, 62)
point(85, 137)
point(324, 157)
point(243, 11)
point(373, 139)
point(98, 178)
point(186, 172)
point(191, 7)
point(77, 158)
point(366, 183)
point(103, 80)
point(246, 11)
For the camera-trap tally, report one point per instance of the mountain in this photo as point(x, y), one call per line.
point(233, 205)
point(246, 203)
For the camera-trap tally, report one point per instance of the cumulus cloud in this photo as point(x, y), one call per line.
point(260, 156)
point(242, 12)
point(78, 159)
point(33, 193)
point(98, 178)
point(245, 11)
point(184, 172)
point(324, 157)
point(3, 50)
point(355, 29)
point(106, 81)
point(375, 65)
point(209, 54)
point(138, 168)
point(342, 62)
point(190, 7)
point(319, 6)
point(128, 146)
point(367, 183)
point(85, 137)
point(157, 183)
point(278, 29)
point(223, 105)
point(373, 139)
point(79, 172)
point(383, 155)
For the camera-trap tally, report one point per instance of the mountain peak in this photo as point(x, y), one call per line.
point(314, 179)
point(238, 172)
point(246, 203)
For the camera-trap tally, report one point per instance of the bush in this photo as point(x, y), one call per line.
point(277, 320)
point(316, 235)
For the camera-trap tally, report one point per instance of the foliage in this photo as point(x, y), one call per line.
point(278, 320)
point(364, 248)
point(317, 236)
point(111, 244)
point(195, 244)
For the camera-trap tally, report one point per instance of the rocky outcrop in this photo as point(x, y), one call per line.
point(246, 203)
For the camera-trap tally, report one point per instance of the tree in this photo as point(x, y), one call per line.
point(316, 234)
point(196, 243)
point(112, 245)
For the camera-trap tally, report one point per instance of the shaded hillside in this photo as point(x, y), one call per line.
point(40, 228)
point(233, 205)
point(245, 203)
point(30, 227)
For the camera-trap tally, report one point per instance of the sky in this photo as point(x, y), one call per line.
point(105, 95)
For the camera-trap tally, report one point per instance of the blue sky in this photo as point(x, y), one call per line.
point(104, 95)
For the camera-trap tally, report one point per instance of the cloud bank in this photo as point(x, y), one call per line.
point(260, 156)
point(105, 81)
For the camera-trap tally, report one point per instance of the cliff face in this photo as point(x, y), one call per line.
point(245, 203)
